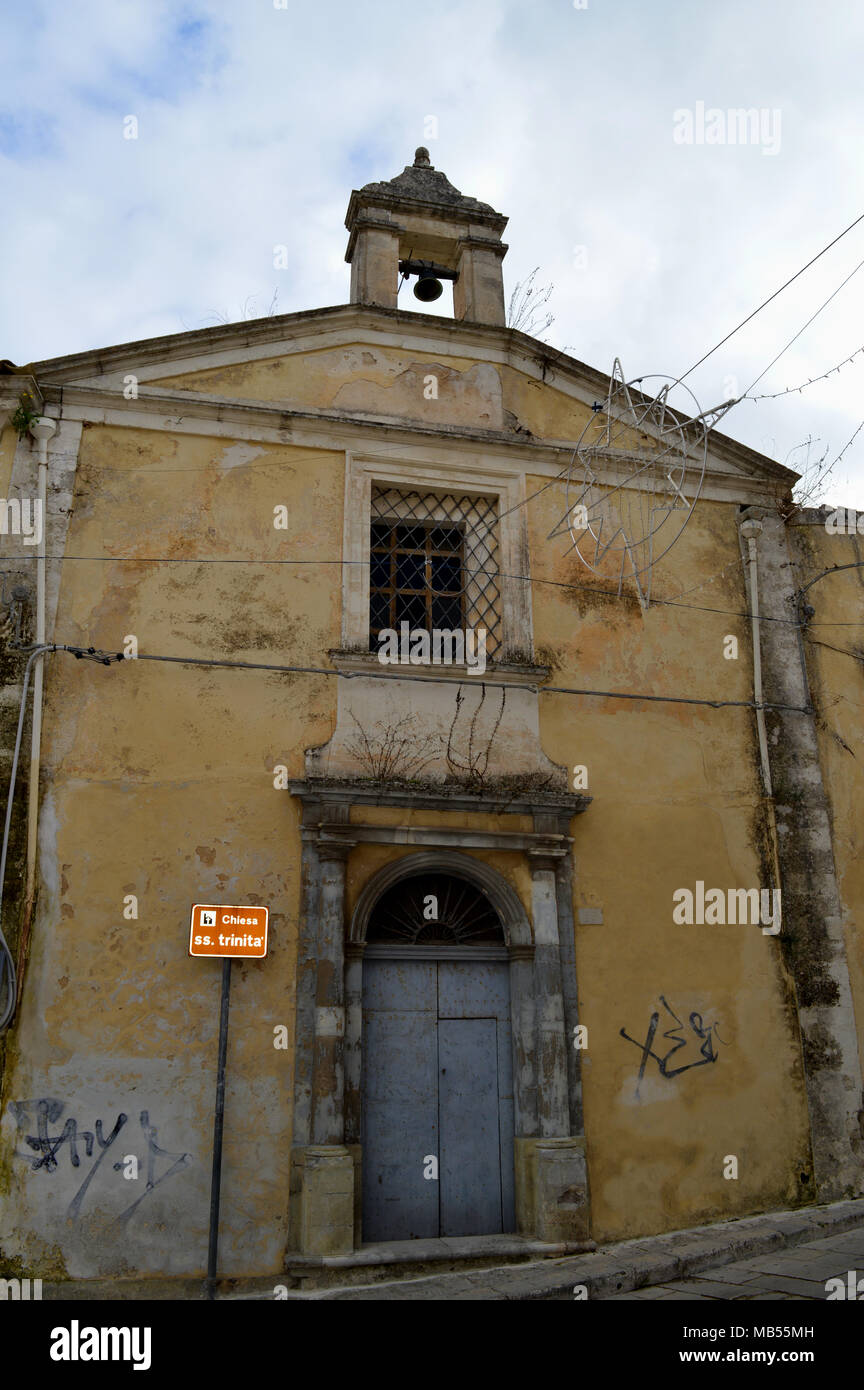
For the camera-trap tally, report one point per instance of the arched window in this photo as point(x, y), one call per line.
point(434, 909)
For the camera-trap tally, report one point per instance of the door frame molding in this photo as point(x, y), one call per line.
point(552, 1200)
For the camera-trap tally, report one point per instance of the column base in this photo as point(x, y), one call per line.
point(552, 1189)
point(322, 1200)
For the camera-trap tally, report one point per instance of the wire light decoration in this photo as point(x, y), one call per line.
point(634, 478)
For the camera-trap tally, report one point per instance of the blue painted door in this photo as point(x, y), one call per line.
point(437, 1083)
point(400, 1098)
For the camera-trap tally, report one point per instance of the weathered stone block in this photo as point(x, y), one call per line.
point(322, 1208)
point(561, 1186)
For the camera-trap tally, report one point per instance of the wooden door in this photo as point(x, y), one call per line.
point(437, 1083)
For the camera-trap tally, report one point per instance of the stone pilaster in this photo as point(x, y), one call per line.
point(478, 294)
point(374, 258)
point(328, 1079)
point(812, 934)
point(550, 1053)
point(353, 1055)
point(567, 948)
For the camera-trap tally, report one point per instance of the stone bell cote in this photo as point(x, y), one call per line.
point(419, 217)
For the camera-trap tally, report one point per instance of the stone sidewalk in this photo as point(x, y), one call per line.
point(785, 1254)
point(800, 1272)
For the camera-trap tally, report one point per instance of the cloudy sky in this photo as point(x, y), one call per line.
point(603, 131)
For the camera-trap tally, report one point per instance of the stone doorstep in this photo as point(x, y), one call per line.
point(414, 1259)
point(618, 1269)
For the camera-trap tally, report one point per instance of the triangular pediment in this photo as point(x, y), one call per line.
point(358, 363)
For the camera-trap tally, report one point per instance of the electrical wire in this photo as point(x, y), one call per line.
point(106, 658)
point(771, 297)
point(815, 316)
point(494, 573)
point(843, 651)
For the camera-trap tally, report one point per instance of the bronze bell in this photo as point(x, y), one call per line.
point(428, 287)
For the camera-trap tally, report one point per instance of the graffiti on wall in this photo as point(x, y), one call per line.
point(699, 1043)
point(91, 1147)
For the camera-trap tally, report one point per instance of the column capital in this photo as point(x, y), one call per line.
point(546, 858)
point(334, 849)
point(524, 950)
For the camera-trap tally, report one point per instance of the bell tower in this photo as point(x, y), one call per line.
point(420, 223)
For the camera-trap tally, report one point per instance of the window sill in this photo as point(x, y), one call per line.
point(502, 672)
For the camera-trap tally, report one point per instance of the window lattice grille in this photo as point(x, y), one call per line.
point(442, 570)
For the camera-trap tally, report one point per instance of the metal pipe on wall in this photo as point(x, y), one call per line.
point(42, 429)
point(750, 530)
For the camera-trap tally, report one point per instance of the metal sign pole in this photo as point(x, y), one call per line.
point(216, 1179)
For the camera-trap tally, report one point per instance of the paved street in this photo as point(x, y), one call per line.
point(797, 1273)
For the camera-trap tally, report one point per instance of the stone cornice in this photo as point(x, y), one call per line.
point(508, 346)
point(187, 411)
point(319, 795)
point(503, 672)
point(468, 211)
point(13, 387)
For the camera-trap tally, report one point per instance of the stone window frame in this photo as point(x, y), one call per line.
point(448, 476)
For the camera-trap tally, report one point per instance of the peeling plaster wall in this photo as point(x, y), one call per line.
point(385, 381)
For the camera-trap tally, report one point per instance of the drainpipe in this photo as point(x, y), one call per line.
point(750, 530)
point(42, 430)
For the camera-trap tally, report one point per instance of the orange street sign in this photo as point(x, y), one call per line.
point(228, 931)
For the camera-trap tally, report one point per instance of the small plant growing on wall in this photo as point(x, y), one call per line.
point(390, 751)
point(24, 414)
point(473, 761)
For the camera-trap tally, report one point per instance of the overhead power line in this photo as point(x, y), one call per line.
point(499, 574)
point(812, 319)
point(770, 298)
point(108, 658)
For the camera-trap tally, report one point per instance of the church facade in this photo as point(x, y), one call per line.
point(560, 848)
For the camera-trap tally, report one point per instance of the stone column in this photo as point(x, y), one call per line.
point(328, 1080)
point(556, 1164)
point(562, 1191)
point(353, 1037)
point(550, 1052)
point(812, 930)
point(307, 952)
point(322, 1200)
point(478, 294)
point(564, 889)
point(374, 256)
